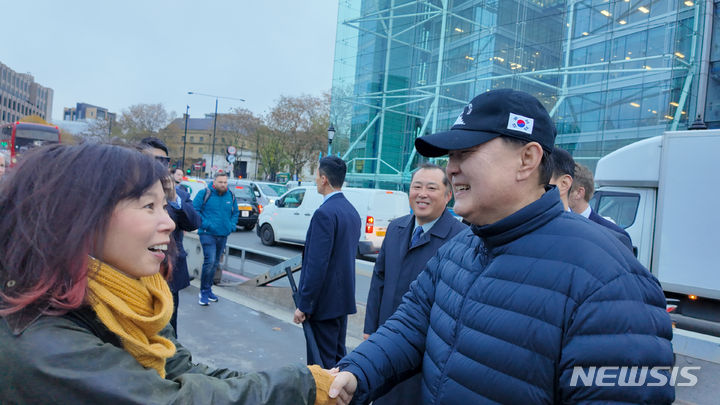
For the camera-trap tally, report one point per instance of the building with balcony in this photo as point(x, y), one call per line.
point(610, 72)
point(21, 96)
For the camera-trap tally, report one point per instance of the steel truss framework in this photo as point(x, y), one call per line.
point(555, 80)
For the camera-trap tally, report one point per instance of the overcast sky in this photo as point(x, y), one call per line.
point(116, 54)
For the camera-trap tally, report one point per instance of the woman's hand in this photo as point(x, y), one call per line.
point(343, 387)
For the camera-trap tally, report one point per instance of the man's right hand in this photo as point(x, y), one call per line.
point(298, 316)
point(343, 387)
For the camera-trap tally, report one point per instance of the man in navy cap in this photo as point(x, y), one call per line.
point(531, 301)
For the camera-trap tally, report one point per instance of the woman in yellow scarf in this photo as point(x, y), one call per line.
point(83, 238)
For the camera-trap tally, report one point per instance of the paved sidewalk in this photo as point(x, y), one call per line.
point(229, 334)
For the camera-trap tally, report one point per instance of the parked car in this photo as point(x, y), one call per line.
point(296, 183)
point(247, 204)
point(266, 192)
point(288, 219)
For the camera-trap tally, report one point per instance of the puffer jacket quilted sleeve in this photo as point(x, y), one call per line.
point(505, 312)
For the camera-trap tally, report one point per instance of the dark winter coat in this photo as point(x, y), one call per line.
point(397, 265)
point(186, 219)
point(505, 311)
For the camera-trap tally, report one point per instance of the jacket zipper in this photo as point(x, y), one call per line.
point(484, 260)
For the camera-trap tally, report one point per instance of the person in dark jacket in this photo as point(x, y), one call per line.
point(327, 278)
point(409, 243)
point(183, 214)
point(84, 304)
point(582, 191)
point(562, 173)
point(526, 301)
point(564, 178)
point(219, 214)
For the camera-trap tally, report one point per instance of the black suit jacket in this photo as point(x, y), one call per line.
point(186, 219)
point(616, 230)
point(327, 278)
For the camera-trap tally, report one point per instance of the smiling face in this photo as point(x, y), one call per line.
point(138, 234)
point(494, 179)
point(428, 195)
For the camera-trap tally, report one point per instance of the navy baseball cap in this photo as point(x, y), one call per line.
point(494, 113)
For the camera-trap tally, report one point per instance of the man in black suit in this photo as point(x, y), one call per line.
point(410, 242)
point(327, 279)
point(582, 190)
point(564, 178)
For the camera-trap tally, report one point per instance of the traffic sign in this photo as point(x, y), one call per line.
point(231, 150)
point(231, 158)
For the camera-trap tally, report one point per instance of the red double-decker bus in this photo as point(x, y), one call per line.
point(18, 137)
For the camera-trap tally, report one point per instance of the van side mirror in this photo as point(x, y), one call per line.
point(280, 203)
point(257, 193)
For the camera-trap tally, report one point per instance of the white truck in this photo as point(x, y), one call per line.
point(665, 192)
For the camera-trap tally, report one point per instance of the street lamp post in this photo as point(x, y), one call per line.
point(331, 135)
point(257, 154)
point(212, 156)
point(182, 164)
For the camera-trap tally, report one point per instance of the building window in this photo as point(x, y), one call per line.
point(192, 139)
point(200, 149)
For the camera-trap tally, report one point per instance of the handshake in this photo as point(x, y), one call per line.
point(333, 386)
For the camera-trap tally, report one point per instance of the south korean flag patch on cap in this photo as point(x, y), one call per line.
point(519, 123)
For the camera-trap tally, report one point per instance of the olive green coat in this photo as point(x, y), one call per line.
point(58, 360)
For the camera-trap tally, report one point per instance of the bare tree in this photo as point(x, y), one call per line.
point(272, 148)
point(141, 120)
point(239, 128)
point(100, 130)
point(302, 122)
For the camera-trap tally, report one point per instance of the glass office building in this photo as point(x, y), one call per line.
point(610, 72)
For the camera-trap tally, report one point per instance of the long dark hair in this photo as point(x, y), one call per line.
point(54, 211)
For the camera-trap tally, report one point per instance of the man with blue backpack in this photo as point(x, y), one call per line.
point(219, 212)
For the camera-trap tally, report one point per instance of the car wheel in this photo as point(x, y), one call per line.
point(249, 227)
point(267, 236)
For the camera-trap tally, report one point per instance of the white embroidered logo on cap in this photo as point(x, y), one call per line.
point(466, 111)
point(519, 123)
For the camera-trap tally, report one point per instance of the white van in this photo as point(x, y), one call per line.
point(288, 219)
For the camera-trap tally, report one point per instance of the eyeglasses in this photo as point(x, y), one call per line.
point(165, 160)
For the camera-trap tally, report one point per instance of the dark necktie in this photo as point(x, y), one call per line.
point(416, 236)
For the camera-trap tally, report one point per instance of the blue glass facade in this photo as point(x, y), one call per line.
point(610, 72)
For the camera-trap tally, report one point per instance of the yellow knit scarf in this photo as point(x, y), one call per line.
point(135, 310)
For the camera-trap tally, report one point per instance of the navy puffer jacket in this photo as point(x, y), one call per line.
point(504, 312)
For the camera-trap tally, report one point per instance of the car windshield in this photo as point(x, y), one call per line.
point(243, 192)
point(273, 190)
